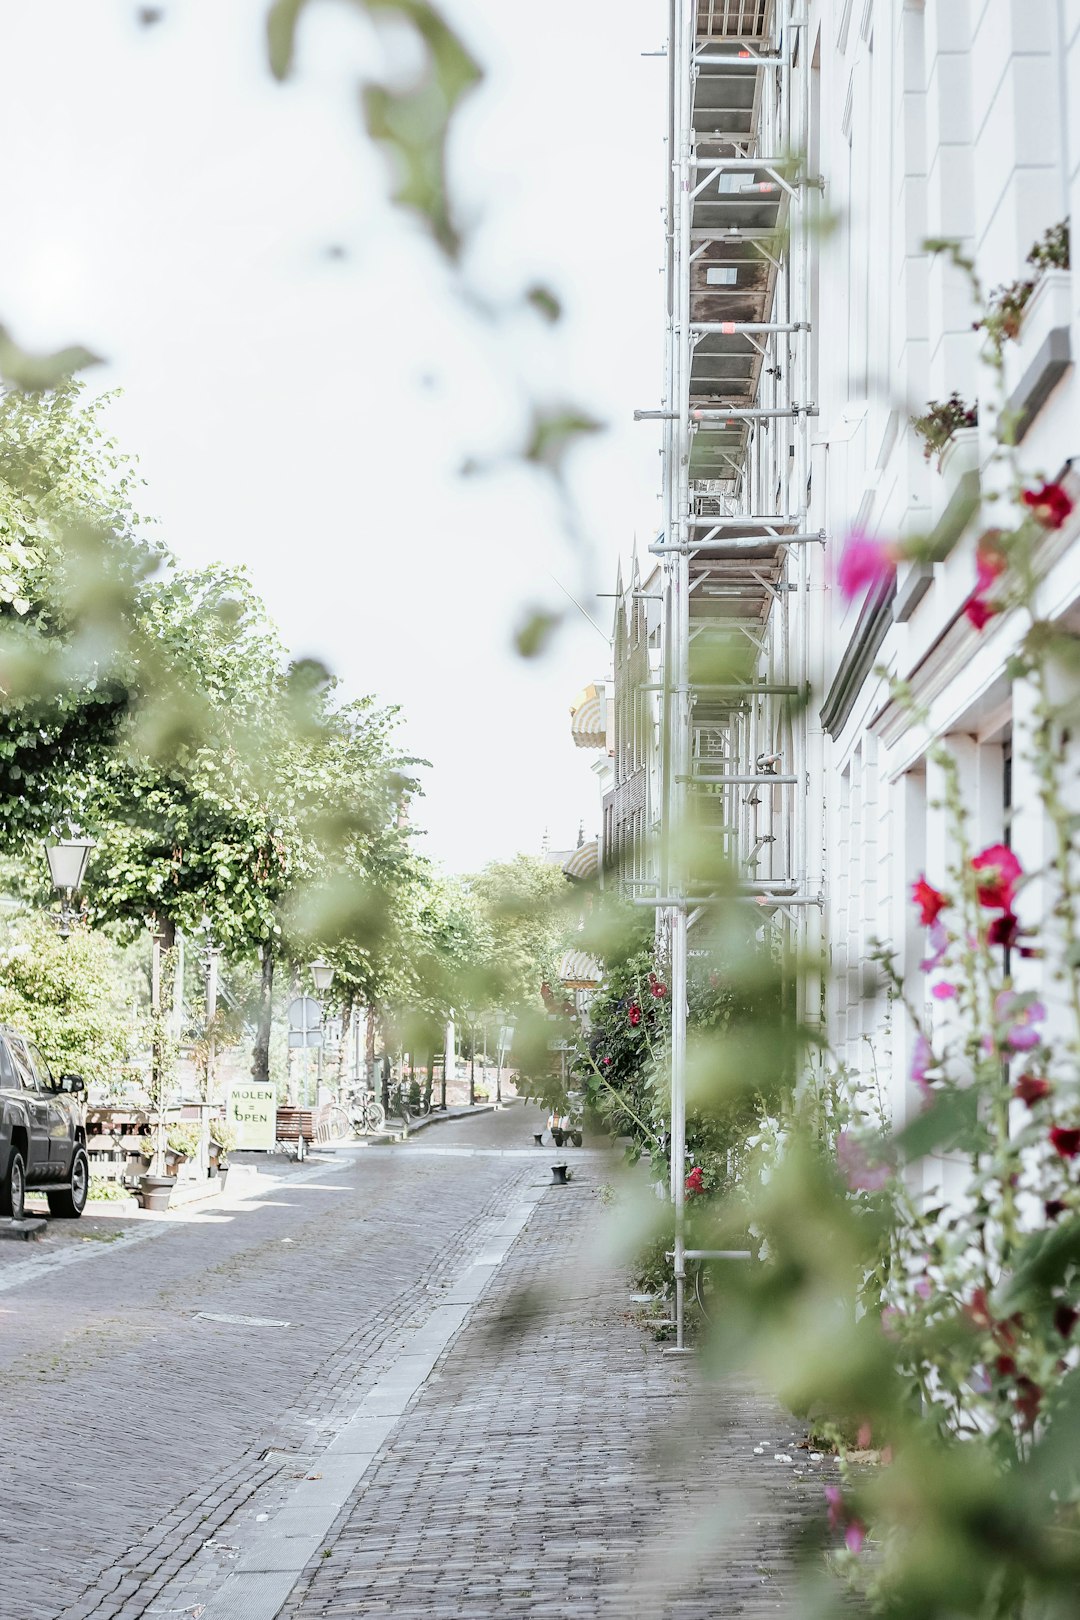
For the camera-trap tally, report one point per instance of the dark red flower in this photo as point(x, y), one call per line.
point(1006, 1366)
point(978, 611)
point(1051, 505)
point(1028, 1399)
point(997, 869)
point(1031, 1088)
point(1066, 1140)
point(633, 1012)
point(930, 901)
point(695, 1181)
point(1003, 930)
point(1054, 1207)
point(1065, 1319)
point(659, 990)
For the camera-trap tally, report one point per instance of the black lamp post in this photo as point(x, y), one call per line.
point(67, 860)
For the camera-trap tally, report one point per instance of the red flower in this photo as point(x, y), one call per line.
point(1066, 1140)
point(695, 1181)
point(1003, 930)
point(978, 611)
point(1065, 1319)
point(990, 564)
point(998, 869)
point(1054, 1207)
point(659, 990)
point(1028, 1399)
point(1031, 1088)
point(930, 901)
point(633, 1012)
point(1051, 505)
point(978, 1310)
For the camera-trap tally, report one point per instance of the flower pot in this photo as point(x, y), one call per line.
point(155, 1192)
point(1033, 362)
point(958, 467)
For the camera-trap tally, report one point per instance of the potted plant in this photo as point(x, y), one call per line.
point(1007, 307)
point(941, 425)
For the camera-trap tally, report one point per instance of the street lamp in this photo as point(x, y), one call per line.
point(67, 860)
point(322, 975)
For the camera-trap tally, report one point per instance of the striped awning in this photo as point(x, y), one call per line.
point(584, 864)
point(580, 971)
point(587, 718)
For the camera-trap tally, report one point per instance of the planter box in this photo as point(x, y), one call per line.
point(958, 482)
point(1035, 360)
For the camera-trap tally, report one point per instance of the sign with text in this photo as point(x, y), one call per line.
point(252, 1112)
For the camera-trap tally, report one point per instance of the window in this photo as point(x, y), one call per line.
point(24, 1071)
point(8, 1076)
point(44, 1073)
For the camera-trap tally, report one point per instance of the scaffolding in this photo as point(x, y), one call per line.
point(735, 543)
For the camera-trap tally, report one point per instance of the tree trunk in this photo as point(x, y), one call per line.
point(260, 1057)
point(429, 1081)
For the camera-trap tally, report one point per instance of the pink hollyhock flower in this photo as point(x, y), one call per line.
point(854, 1536)
point(997, 869)
point(891, 1316)
point(695, 1181)
point(864, 563)
point(1021, 1034)
point(924, 1288)
point(939, 944)
point(944, 990)
point(1030, 1089)
point(990, 564)
point(930, 901)
point(1065, 1140)
point(922, 1058)
point(1051, 504)
point(842, 1518)
point(607, 1061)
point(855, 1166)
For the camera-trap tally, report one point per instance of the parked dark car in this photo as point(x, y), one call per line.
point(42, 1131)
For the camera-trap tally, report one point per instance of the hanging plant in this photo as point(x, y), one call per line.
point(941, 420)
point(1006, 304)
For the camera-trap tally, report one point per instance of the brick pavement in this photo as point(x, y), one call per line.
point(556, 1463)
point(548, 1466)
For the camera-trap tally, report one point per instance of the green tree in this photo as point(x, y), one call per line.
point(73, 997)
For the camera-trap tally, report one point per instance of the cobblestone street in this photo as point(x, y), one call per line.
point(344, 1396)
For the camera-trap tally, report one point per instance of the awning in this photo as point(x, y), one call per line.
point(587, 719)
point(580, 971)
point(584, 864)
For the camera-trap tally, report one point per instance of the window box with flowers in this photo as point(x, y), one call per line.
point(945, 427)
point(1028, 322)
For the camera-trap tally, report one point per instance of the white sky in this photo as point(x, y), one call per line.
point(169, 205)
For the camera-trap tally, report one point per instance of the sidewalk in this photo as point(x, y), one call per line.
point(548, 1461)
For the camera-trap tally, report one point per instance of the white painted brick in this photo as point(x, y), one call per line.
point(948, 26)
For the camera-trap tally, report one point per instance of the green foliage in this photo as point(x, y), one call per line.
point(69, 997)
point(941, 421)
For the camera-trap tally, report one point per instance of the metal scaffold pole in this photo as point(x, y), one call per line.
point(736, 548)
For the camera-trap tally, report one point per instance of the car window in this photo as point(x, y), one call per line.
point(7, 1068)
point(44, 1073)
point(23, 1067)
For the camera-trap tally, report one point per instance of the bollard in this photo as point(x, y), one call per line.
point(560, 1175)
point(538, 1138)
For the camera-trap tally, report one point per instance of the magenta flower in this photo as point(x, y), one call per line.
point(1020, 1021)
point(864, 563)
point(855, 1166)
point(997, 870)
point(922, 1059)
point(939, 944)
point(944, 990)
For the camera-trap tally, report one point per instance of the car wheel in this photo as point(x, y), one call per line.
point(576, 1138)
point(557, 1138)
point(71, 1201)
point(13, 1191)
